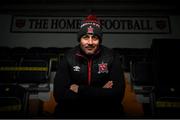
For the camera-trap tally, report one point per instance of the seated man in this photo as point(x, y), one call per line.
point(89, 82)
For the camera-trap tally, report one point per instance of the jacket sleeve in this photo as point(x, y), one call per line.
point(61, 83)
point(118, 89)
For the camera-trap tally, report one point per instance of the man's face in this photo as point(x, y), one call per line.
point(89, 43)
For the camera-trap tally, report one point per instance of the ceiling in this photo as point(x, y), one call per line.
point(101, 6)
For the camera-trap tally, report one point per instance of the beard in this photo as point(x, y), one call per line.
point(90, 49)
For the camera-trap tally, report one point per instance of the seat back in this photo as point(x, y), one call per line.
point(166, 62)
point(141, 73)
point(33, 71)
point(5, 52)
point(7, 71)
point(13, 100)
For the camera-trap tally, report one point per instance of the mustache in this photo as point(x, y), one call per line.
point(89, 46)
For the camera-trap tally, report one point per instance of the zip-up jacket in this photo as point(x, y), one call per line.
point(91, 73)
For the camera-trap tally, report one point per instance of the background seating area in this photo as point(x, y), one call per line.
point(152, 74)
point(54, 54)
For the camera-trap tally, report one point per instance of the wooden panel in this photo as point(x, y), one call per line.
point(131, 105)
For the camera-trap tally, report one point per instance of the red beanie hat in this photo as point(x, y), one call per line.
point(91, 25)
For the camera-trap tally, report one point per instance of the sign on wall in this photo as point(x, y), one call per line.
point(110, 24)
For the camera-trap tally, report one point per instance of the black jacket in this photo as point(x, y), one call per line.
point(91, 74)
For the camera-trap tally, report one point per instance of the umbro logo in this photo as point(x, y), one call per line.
point(76, 68)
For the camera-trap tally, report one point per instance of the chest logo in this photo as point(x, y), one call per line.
point(103, 68)
point(76, 68)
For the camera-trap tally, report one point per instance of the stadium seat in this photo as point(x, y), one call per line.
point(13, 101)
point(18, 53)
point(5, 52)
point(166, 57)
point(33, 71)
point(7, 71)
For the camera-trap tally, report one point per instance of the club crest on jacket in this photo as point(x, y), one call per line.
point(103, 68)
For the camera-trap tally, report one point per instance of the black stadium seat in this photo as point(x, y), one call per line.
point(18, 53)
point(36, 53)
point(33, 71)
point(52, 54)
point(13, 101)
point(166, 64)
point(141, 75)
point(7, 71)
point(5, 52)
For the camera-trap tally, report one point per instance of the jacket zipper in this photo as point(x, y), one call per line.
point(89, 71)
point(89, 67)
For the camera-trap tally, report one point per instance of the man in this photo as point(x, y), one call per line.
point(89, 82)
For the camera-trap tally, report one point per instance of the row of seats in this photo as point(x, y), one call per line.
point(27, 71)
point(33, 67)
point(129, 55)
point(52, 54)
point(158, 77)
point(8, 51)
point(55, 54)
point(152, 69)
point(17, 63)
point(23, 72)
point(166, 64)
